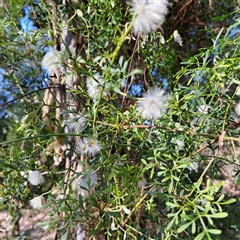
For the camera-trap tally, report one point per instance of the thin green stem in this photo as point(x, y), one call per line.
point(114, 55)
point(203, 224)
point(204, 172)
point(191, 133)
point(39, 136)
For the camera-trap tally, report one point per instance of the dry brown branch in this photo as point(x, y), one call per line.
point(54, 23)
point(211, 5)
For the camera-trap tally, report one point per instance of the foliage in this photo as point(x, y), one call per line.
point(108, 170)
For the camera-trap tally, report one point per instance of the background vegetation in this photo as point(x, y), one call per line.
point(134, 178)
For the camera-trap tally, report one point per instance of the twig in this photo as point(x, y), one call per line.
point(130, 67)
point(137, 205)
point(24, 95)
point(221, 137)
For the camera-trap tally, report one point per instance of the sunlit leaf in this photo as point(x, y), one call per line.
point(183, 227)
point(200, 236)
point(214, 231)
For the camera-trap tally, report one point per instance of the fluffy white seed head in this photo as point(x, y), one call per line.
point(153, 105)
point(203, 108)
point(52, 61)
point(87, 183)
point(126, 210)
point(177, 38)
point(75, 123)
point(193, 166)
point(95, 85)
point(180, 144)
point(36, 202)
point(142, 183)
point(45, 227)
point(202, 201)
point(237, 109)
point(113, 226)
point(35, 177)
point(88, 146)
point(150, 14)
point(238, 92)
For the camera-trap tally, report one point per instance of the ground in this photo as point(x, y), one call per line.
point(28, 228)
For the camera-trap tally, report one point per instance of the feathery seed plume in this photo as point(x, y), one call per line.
point(87, 183)
point(88, 146)
point(75, 123)
point(35, 177)
point(193, 166)
point(113, 226)
point(177, 38)
point(126, 210)
point(203, 108)
point(153, 105)
point(180, 144)
point(94, 87)
point(52, 61)
point(36, 202)
point(150, 14)
point(238, 92)
point(142, 183)
point(237, 109)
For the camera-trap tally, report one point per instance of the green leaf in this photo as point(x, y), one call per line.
point(176, 178)
point(200, 236)
point(96, 59)
point(80, 201)
point(220, 18)
point(200, 208)
point(214, 231)
point(236, 81)
point(121, 61)
point(237, 67)
point(193, 227)
point(183, 227)
point(221, 198)
point(185, 216)
point(81, 61)
point(209, 219)
point(112, 214)
point(170, 187)
point(94, 202)
point(219, 207)
point(219, 215)
point(43, 224)
point(161, 173)
point(152, 172)
point(208, 197)
point(232, 200)
point(77, 216)
point(169, 215)
point(128, 197)
point(166, 178)
point(171, 205)
point(208, 183)
point(64, 237)
point(218, 36)
point(207, 207)
point(198, 184)
point(169, 226)
point(144, 161)
point(61, 227)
